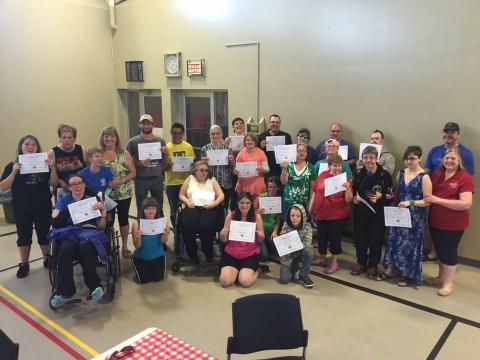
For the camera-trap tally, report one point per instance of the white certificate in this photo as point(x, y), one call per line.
point(217, 157)
point(334, 184)
point(33, 163)
point(398, 217)
point(149, 151)
point(273, 141)
point(110, 204)
point(362, 200)
point(247, 169)
point(343, 152)
point(323, 167)
point(236, 142)
point(242, 231)
point(153, 227)
point(286, 153)
point(82, 210)
point(182, 163)
point(288, 243)
point(203, 198)
point(271, 205)
point(364, 145)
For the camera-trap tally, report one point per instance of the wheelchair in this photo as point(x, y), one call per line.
point(181, 258)
point(109, 263)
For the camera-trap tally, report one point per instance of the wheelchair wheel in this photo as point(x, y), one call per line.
point(176, 266)
point(117, 270)
point(110, 278)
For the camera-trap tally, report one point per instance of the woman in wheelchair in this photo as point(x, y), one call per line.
point(240, 260)
point(202, 196)
point(84, 241)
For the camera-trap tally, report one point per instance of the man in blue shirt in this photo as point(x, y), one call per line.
point(336, 130)
point(97, 176)
point(451, 138)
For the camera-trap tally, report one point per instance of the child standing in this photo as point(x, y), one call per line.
point(296, 219)
point(148, 260)
point(97, 176)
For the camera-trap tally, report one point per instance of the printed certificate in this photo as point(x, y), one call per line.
point(323, 167)
point(182, 163)
point(203, 198)
point(82, 210)
point(398, 217)
point(242, 231)
point(273, 141)
point(149, 151)
point(271, 204)
point(217, 157)
point(247, 169)
point(236, 142)
point(285, 153)
point(288, 243)
point(365, 202)
point(153, 227)
point(33, 163)
point(343, 151)
point(364, 145)
point(334, 184)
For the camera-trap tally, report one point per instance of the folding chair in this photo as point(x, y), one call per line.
point(267, 322)
point(8, 348)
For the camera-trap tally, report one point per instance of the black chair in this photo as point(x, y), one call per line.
point(267, 322)
point(8, 348)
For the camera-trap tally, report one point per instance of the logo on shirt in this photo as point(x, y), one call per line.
point(453, 185)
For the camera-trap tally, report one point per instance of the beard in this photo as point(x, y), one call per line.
point(146, 131)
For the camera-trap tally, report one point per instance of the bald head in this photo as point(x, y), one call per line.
point(336, 130)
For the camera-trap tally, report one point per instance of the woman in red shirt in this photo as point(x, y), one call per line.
point(448, 216)
point(330, 212)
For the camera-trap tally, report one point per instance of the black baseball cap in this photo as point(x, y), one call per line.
point(451, 127)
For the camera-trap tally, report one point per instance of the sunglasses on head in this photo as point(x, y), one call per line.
point(127, 350)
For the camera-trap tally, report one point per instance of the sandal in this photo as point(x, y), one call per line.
point(403, 282)
point(383, 276)
point(127, 254)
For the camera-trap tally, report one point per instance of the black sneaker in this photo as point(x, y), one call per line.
point(306, 282)
point(23, 270)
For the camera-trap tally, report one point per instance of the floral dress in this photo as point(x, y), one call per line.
point(405, 245)
point(297, 189)
point(120, 169)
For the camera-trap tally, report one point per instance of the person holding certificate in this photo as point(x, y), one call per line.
point(202, 196)
point(85, 241)
point(97, 176)
point(303, 137)
point(372, 189)
point(296, 220)
point(121, 163)
point(297, 179)
point(255, 183)
point(222, 173)
point(149, 171)
point(448, 216)
point(403, 251)
point(331, 147)
point(31, 201)
point(240, 259)
point(238, 133)
point(331, 213)
point(148, 260)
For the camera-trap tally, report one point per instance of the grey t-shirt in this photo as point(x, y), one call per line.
point(155, 168)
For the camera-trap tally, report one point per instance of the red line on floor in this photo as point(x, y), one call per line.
point(44, 331)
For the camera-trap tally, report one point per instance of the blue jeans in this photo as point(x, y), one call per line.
point(173, 192)
point(300, 263)
point(143, 185)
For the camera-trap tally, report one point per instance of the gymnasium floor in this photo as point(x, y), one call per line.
point(348, 317)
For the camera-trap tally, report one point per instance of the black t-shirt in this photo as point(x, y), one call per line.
point(275, 168)
point(29, 190)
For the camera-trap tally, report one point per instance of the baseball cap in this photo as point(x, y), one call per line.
point(451, 126)
point(304, 132)
point(146, 117)
point(332, 142)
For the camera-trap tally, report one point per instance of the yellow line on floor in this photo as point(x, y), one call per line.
point(53, 324)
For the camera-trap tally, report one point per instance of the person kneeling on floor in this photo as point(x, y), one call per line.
point(85, 241)
point(296, 220)
point(148, 259)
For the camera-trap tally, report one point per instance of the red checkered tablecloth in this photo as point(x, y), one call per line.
point(160, 345)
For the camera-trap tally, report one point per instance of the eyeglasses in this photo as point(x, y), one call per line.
point(75, 184)
point(202, 170)
point(301, 151)
point(127, 350)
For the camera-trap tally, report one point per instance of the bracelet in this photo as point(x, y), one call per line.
point(412, 203)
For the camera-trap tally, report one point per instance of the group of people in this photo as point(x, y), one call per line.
point(208, 191)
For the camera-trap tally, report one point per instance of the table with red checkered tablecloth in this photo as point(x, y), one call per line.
point(156, 344)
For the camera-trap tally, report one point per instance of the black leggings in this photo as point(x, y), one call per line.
point(369, 237)
point(330, 231)
point(149, 270)
point(25, 219)
point(446, 244)
point(199, 221)
point(123, 208)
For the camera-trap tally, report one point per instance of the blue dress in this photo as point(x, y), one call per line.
point(404, 248)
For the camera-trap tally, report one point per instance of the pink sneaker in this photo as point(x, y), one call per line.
point(320, 261)
point(331, 269)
